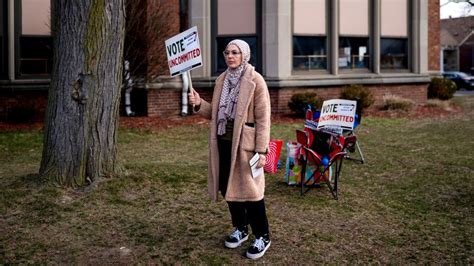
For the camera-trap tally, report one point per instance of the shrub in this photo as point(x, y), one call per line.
point(441, 88)
point(393, 102)
point(358, 93)
point(299, 102)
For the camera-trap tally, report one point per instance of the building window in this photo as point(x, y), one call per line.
point(3, 39)
point(34, 47)
point(36, 55)
point(309, 53)
point(394, 35)
point(236, 20)
point(354, 52)
point(393, 53)
point(309, 35)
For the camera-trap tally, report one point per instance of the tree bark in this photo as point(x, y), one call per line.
point(80, 137)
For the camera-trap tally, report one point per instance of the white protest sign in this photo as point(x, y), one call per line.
point(183, 51)
point(337, 113)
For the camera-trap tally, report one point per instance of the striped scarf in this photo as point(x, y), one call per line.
point(231, 88)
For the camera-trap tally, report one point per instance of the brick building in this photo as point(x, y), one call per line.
point(390, 46)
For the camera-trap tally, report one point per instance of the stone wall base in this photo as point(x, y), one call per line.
point(167, 102)
point(26, 106)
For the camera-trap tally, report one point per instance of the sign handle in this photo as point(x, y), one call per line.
point(190, 85)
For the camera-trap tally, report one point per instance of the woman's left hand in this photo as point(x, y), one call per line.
point(261, 162)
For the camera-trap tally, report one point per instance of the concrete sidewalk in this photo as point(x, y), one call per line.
point(463, 93)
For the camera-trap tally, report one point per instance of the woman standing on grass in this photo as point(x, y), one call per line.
point(240, 127)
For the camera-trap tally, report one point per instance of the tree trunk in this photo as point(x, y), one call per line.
point(80, 138)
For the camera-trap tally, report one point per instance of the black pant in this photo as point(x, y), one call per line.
point(242, 213)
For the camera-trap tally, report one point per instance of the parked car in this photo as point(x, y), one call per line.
point(463, 81)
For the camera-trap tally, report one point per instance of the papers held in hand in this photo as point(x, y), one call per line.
point(256, 171)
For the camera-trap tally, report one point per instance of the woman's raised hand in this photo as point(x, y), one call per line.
point(194, 98)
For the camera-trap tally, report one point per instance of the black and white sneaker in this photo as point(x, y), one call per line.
point(258, 248)
point(236, 238)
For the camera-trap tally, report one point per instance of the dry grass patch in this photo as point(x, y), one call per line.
point(446, 105)
point(394, 102)
point(410, 203)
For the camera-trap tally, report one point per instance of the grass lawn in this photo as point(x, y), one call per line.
point(412, 202)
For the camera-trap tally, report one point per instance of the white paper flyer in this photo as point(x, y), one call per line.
point(256, 171)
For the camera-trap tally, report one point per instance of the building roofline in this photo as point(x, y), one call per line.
point(465, 39)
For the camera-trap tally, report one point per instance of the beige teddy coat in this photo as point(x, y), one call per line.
point(253, 106)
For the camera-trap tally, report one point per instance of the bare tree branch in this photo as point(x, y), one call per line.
point(469, 4)
point(145, 23)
